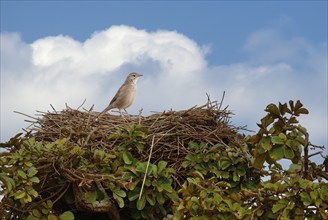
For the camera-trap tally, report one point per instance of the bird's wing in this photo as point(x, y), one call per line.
point(118, 93)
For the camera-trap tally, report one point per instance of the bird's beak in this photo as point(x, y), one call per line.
point(140, 75)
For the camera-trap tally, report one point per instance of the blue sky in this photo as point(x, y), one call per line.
point(222, 24)
point(57, 52)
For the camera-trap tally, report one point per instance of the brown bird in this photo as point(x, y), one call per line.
point(125, 96)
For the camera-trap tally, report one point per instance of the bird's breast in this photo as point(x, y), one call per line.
point(126, 96)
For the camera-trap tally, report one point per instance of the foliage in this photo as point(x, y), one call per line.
point(225, 180)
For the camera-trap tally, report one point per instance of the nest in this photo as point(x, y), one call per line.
point(168, 132)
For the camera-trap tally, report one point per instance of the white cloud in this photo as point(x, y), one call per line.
point(59, 69)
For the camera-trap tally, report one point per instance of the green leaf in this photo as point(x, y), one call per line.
point(133, 185)
point(198, 174)
point(305, 198)
point(277, 153)
point(155, 170)
point(161, 166)
point(301, 111)
point(224, 164)
point(173, 196)
point(166, 184)
point(31, 141)
point(273, 109)
point(266, 121)
point(22, 174)
point(289, 153)
point(52, 217)
point(8, 182)
point(291, 104)
point(235, 177)
point(98, 154)
point(225, 174)
point(34, 179)
point(259, 161)
point(292, 120)
point(28, 163)
point(19, 194)
point(141, 203)
point(323, 194)
point(141, 167)
point(31, 217)
point(31, 191)
point(193, 145)
point(62, 141)
point(283, 108)
point(298, 105)
point(27, 198)
point(119, 200)
point(314, 194)
point(203, 194)
point(181, 207)
point(318, 202)
point(76, 150)
point(119, 192)
point(266, 143)
point(45, 211)
point(194, 199)
point(32, 171)
point(127, 157)
point(279, 205)
point(241, 171)
point(277, 140)
point(91, 197)
point(295, 167)
point(36, 213)
point(185, 164)
point(151, 199)
point(282, 136)
point(133, 195)
point(160, 198)
point(217, 198)
point(49, 204)
point(259, 212)
point(67, 216)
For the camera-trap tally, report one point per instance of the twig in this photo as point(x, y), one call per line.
point(221, 101)
point(26, 115)
point(89, 135)
point(311, 155)
point(139, 116)
point(82, 104)
point(306, 152)
point(144, 179)
point(53, 108)
point(63, 193)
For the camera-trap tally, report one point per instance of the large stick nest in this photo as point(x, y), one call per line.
point(172, 130)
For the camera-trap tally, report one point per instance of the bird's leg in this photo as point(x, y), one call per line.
point(126, 114)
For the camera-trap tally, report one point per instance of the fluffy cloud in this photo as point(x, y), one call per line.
point(58, 69)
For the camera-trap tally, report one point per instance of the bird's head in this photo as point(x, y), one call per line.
point(133, 77)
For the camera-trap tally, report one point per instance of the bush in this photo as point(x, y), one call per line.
point(189, 164)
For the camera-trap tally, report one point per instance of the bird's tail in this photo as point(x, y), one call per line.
point(109, 107)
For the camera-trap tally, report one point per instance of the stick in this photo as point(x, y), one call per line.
point(221, 101)
point(143, 182)
point(53, 108)
point(25, 115)
point(82, 104)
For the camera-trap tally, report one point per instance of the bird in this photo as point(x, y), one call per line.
point(125, 95)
